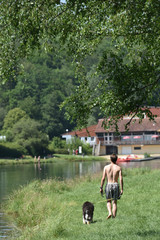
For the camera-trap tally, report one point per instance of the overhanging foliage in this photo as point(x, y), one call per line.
point(127, 73)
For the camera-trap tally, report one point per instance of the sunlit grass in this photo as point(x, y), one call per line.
point(53, 210)
point(80, 157)
point(57, 157)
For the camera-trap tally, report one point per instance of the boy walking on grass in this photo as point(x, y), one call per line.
point(112, 173)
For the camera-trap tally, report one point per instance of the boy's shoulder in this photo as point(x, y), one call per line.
point(107, 166)
point(117, 166)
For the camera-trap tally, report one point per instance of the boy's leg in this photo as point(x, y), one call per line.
point(109, 207)
point(114, 210)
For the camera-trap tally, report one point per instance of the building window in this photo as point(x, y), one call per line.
point(92, 138)
point(100, 134)
point(137, 148)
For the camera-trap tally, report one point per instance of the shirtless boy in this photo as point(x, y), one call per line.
point(112, 173)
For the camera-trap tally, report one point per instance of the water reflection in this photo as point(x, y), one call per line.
point(4, 227)
point(153, 164)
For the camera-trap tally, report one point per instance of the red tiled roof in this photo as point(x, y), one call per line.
point(85, 132)
point(155, 111)
point(135, 126)
point(146, 125)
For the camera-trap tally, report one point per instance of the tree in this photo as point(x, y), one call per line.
point(128, 72)
point(52, 117)
point(2, 116)
point(47, 80)
point(27, 133)
point(12, 117)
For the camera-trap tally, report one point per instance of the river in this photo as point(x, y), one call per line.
point(14, 176)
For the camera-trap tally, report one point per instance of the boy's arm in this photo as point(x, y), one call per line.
point(103, 180)
point(121, 181)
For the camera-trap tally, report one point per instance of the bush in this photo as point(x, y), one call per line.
point(35, 147)
point(57, 143)
point(61, 151)
point(27, 133)
point(146, 155)
point(11, 150)
point(87, 149)
point(76, 142)
point(59, 146)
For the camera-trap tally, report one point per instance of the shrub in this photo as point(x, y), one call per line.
point(11, 150)
point(61, 151)
point(146, 155)
point(74, 144)
point(27, 133)
point(12, 117)
point(59, 146)
point(87, 149)
point(57, 143)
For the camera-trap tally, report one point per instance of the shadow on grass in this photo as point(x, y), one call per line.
point(150, 233)
point(97, 221)
point(94, 222)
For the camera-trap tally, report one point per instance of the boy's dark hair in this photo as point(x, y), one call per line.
point(113, 158)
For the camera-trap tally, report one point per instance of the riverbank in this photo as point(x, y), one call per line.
point(63, 157)
point(53, 210)
point(56, 157)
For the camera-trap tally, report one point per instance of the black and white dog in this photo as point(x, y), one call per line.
point(88, 209)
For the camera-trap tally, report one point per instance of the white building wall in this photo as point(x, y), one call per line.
point(90, 140)
point(67, 137)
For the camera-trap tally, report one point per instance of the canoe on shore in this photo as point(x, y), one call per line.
point(128, 158)
point(135, 158)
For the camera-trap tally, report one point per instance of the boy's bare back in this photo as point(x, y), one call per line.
point(112, 172)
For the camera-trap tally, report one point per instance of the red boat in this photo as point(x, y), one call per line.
point(128, 158)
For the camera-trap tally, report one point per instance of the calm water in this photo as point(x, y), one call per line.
point(12, 177)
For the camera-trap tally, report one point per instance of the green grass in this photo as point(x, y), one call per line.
point(57, 157)
point(81, 158)
point(53, 210)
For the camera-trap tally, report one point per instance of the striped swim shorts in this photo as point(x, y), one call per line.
point(112, 191)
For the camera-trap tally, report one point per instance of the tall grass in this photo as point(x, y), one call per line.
point(53, 210)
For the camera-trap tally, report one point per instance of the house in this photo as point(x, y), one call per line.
point(87, 135)
point(141, 138)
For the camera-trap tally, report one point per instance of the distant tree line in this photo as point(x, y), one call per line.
point(30, 114)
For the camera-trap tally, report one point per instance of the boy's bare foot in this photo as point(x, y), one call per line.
point(109, 216)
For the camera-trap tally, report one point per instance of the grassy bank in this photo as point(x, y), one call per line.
point(52, 210)
point(57, 157)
